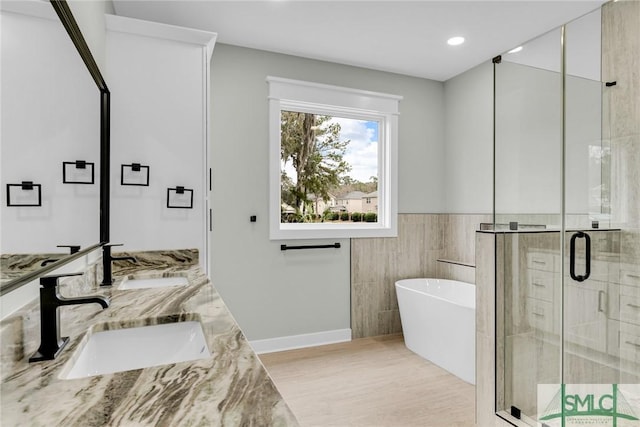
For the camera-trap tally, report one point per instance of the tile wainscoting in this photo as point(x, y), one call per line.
point(423, 239)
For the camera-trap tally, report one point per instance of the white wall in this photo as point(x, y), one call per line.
point(273, 293)
point(50, 114)
point(158, 110)
point(468, 175)
point(89, 14)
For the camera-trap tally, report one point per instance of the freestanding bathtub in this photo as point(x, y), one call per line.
point(438, 322)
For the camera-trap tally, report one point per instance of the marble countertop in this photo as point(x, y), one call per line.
point(230, 388)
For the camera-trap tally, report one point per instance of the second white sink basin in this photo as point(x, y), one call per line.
point(153, 282)
point(120, 350)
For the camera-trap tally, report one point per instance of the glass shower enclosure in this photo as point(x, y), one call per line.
point(568, 302)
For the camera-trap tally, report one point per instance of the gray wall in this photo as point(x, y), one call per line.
point(273, 293)
point(468, 157)
point(528, 144)
point(528, 151)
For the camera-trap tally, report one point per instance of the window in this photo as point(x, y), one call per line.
point(331, 149)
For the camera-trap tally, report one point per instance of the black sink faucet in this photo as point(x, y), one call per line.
point(50, 299)
point(107, 259)
point(72, 250)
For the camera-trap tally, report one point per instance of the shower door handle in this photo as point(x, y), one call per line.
point(572, 257)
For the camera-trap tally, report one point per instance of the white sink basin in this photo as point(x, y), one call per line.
point(134, 348)
point(153, 282)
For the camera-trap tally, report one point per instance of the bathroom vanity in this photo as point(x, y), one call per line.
point(229, 387)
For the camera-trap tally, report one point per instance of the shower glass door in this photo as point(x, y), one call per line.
point(528, 213)
point(601, 303)
point(567, 205)
point(592, 245)
point(591, 286)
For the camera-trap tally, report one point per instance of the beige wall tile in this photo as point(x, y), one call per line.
point(630, 246)
point(434, 232)
point(625, 181)
point(485, 283)
point(621, 114)
point(389, 322)
point(620, 63)
point(485, 332)
point(379, 263)
point(456, 272)
point(376, 264)
point(459, 236)
point(485, 388)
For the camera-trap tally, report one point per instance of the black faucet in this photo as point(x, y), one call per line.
point(107, 259)
point(50, 299)
point(72, 250)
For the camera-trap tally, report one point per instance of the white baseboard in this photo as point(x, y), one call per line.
point(292, 342)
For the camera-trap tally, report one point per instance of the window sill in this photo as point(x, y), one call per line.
point(332, 231)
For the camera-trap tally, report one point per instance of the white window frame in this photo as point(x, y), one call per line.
point(296, 95)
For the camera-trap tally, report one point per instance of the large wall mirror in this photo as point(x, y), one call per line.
point(54, 142)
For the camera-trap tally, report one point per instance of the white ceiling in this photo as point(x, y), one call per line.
point(406, 37)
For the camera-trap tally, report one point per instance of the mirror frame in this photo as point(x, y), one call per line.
point(70, 24)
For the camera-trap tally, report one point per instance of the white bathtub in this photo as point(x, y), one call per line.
point(439, 323)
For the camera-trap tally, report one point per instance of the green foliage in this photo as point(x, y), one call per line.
point(312, 144)
point(295, 217)
point(371, 217)
point(356, 217)
point(344, 216)
point(285, 184)
point(331, 216)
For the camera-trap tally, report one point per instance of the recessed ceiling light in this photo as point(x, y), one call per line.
point(515, 49)
point(455, 41)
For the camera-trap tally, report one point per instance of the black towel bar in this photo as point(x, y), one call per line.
point(286, 248)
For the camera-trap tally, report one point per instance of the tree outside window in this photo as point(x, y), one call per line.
point(324, 158)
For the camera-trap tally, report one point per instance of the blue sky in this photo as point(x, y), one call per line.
point(373, 126)
point(362, 151)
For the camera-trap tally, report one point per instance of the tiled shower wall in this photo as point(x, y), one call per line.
point(621, 118)
point(423, 239)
